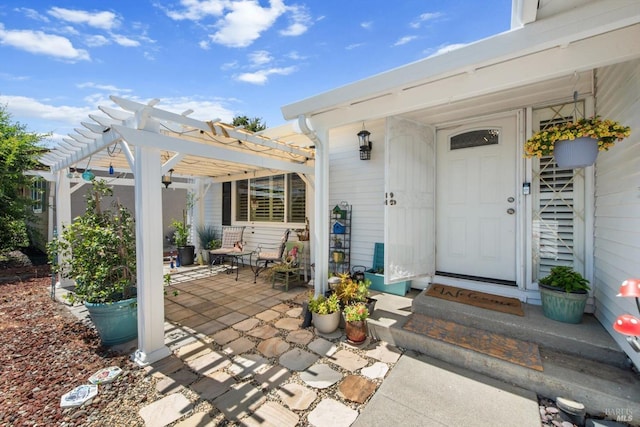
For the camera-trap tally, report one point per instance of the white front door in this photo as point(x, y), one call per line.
point(476, 199)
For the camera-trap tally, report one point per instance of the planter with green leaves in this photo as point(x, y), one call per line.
point(98, 252)
point(325, 312)
point(181, 236)
point(355, 316)
point(564, 294)
point(208, 241)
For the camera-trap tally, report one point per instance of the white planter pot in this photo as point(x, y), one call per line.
point(579, 153)
point(326, 323)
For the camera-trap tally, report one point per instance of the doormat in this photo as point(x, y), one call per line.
point(512, 350)
point(477, 299)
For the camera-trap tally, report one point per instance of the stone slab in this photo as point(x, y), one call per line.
point(225, 336)
point(201, 419)
point(239, 346)
point(288, 323)
point(273, 377)
point(356, 389)
point(210, 362)
point(273, 347)
point(282, 308)
point(320, 376)
point(175, 381)
point(165, 366)
point(246, 324)
point(376, 371)
point(294, 312)
point(323, 347)
point(213, 385)
point(165, 411)
point(193, 350)
point(384, 352)
point(348, 360)
point(331, 413)
point(239, 401)
point(211, 327)
point(300, 336)
point(263, 332)
point(271, 414)
point(297, 359)
point(296, 396)
point(232, 318)
point(248, 365)
point(268, 315)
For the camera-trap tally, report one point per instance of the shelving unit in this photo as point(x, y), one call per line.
point(340, 238)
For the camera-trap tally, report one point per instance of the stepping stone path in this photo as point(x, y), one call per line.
point(239, 401)
point(348, 360)
point(297, 360)
point(225, 336)
point(323, 347)
point(384, 353)
point(272, 414)
point(375, 371)
point(268, 315)
point(320, 376)
point(273, 377)
point(288, 323)
point(297, 397)
point(264, 332)
point(273, 347)
point(193, 351)
point(294, 312)
point(239, 346)
point(165, 411)
point(301, 336)
point(210, 362)
point(331, 413)
point(356, 388)
point(213, 385)
point(175, 381)
point(248, 365)
point(246, 325)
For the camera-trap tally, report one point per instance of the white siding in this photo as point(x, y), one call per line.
point(617, 222)
point(361, 184)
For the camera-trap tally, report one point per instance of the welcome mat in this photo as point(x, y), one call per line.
point(477, 299)
point(512, 350)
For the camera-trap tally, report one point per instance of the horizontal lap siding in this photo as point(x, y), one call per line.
point(617, 222)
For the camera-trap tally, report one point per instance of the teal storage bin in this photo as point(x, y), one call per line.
point(377, 280)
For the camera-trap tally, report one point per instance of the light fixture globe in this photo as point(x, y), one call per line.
point(630, 288)
point(627, 324)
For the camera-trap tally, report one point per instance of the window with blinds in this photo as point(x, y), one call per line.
point(278, 198)
point(558, 211)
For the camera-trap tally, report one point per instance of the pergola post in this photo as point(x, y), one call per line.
point(148, 198)
point(63, 213)
point(321, 227)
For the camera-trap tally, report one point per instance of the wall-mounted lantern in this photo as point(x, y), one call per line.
point(166, 178)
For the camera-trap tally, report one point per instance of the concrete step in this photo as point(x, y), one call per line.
point(572, 355)
point(587, 339)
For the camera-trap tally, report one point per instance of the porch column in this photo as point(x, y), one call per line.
point(321, 223)
point(148, 198)
point(63, 212)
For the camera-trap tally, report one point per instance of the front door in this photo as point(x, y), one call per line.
point(476, 200)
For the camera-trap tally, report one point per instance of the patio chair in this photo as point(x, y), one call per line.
point(231, 241)
point(290, 267)
point(269, 256)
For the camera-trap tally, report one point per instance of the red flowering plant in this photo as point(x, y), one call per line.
point(355, 312)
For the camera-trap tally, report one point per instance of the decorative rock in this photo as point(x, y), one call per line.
point(104, 375)
point(320, 376)
point(273, 377)
point(331, 413)
point(78, 396)
point(288, 323)
point(567, 424)
point(375, 371)
point(272, 414)
point(301, 336)
point(385, 353)
point(246, 324)
point(348, 360)
point(273, 347)
point(297, 397)
point(210, 362)
point(239, 346)
point(268, 315)
point(356, 389)
point(323, 347)
point(297, 360)
point(294, 312)
point(551, 410)
point(264, 332)
point(225, 336)
point(165, 411)
point(213, 385)
point(248, 365)
point(239, 401)
point(570, 406)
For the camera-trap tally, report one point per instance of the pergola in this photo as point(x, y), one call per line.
point(149, 142)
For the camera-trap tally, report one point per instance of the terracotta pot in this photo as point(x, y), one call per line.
point(356, 331)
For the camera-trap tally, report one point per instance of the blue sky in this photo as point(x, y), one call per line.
point(59, 60)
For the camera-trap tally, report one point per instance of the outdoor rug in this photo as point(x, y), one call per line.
point(477, 299)
point(512, 350)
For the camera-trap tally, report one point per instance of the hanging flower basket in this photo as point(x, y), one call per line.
point(565, 141)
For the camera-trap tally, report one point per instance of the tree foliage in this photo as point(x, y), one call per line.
point(254, 124)
point(19, 150)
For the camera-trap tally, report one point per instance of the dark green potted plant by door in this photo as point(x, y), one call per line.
point(181, 235)
point(564, 294)
point(98, 250)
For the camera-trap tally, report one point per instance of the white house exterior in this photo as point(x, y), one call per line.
point(481, 216)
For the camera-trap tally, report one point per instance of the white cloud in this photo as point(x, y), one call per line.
point(367, 25)
point(404, 40)
point(260, 57)
point(104, 20)
point(96, 40)
point(204, 44)
point(260, 77)
point(229, 65)
point(125, 41)
point(300, 21)
point(33, 108)
point(354, 46)
point(196, 10)
point(107, 88)
point(425, 17)
point(245, 22)
point(32, 14)
point(448, 48)
point(40, 43)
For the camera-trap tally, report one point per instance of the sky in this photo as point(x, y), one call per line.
point(60, 60)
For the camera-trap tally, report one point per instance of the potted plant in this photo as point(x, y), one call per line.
point(98, 251)
point(355, 316)
point(325, 312)
point(208, 241)
point(566, 141)
point(181, 236)
point(350, 291)
point(564, 294)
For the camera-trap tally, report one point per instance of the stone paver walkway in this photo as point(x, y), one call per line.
point(241, 356)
